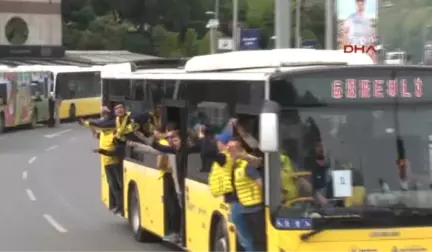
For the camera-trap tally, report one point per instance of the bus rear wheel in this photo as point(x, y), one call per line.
point(134, 216)
point(220, 240)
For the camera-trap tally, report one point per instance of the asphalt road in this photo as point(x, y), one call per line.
point(50, 193)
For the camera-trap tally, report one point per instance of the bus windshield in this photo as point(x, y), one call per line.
point(353, 154)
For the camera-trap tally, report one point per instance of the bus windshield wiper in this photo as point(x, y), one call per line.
point(364, 214)
point(330, 222)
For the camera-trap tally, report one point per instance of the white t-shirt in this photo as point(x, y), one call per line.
point(359, 29)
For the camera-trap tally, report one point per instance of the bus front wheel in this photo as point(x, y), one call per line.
point(72, 112)
point(220, 239)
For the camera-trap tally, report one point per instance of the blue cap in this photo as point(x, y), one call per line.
point(224, 137)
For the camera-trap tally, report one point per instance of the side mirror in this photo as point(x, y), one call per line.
point(269, 127)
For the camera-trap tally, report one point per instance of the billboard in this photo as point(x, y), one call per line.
point(249, 39)
point(356, 21)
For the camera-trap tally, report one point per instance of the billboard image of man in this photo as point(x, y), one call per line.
point(356, 20)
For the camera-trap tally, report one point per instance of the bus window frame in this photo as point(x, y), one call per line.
point(130, 157)
point(234, 108)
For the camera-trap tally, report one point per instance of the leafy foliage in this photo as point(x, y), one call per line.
point(168, 28)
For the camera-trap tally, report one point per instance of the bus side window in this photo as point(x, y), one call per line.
point(197, 167)
point(212, 105)
point(138, 95)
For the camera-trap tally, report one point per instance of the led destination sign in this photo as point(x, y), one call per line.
point(377, 88)
point(359, 86)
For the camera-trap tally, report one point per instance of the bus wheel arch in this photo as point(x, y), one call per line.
point(134, 214)
point(219, 240)
point(72, 111)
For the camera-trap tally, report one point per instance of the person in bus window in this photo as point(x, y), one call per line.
point(292, 185)
point(319, 167)
point(239, 125)
point(125, 124)
point(113, 166)
point(220, 182)
point(248, 190)
point(178, 172)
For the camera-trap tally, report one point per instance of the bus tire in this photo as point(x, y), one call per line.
point(219, 239)
point(2, 123)
point(134, 216)
point(34, 119)
point(72, 112)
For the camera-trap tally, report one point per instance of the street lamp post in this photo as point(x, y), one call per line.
point(329, 36)
point(298, 23)
point(212, 25)
point(282, 23)
point(235, 25)
point(382, 40)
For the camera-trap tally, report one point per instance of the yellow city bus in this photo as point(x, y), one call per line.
point(76, 89)
point(24, 97)
point(358, 136)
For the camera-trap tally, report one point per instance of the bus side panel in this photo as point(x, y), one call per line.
point(200, 207)
point(153, 204)
point(104, 186)
point(150, 189)
point(64, 109)
point(83, 107)
point(88, 106)
point(20, 108)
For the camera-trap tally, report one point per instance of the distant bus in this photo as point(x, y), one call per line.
point(77, 89)
point(17, 82)
point(16, 105)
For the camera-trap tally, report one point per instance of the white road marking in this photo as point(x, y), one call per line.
point(31, 160)
point(57, 133)
point(51, 148)
point(54, 223)
point(24, 175)
point(31, 195)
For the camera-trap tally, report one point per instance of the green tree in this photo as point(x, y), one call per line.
point(204, 44)
point(190, 43)
point(411, 20)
